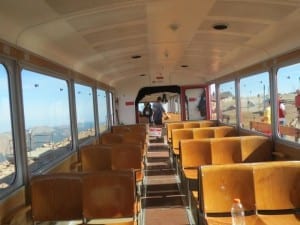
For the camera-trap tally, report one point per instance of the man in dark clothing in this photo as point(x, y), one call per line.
point(147, 112)
point(158, 112)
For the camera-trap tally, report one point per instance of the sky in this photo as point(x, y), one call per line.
point(46, 101)
point(288, 80)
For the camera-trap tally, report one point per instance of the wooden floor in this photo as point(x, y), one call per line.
point(162, 203)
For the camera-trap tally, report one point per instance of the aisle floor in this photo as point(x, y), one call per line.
point(162, 202)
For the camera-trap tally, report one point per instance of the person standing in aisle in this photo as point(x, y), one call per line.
point(147, 112)
point(158, 112)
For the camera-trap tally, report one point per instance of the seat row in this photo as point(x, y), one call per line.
point(187, 124)
point(269, 192)
point(84, 198)
point(111, 157)
point(223, 150)
point(125, 134)
point(199, 133)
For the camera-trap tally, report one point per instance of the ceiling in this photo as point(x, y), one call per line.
point(167, 41)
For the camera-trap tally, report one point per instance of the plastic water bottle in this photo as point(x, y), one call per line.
point(237, 212)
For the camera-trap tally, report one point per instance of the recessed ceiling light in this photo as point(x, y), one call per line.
point(136, 56)
point(220, 26)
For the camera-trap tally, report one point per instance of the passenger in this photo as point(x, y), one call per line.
point(281, 111)
point(158, 112)
point(267, 113)
point(147, 112)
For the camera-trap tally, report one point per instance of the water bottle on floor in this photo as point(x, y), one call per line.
point(237, 212)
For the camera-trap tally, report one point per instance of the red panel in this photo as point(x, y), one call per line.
point(129, 103)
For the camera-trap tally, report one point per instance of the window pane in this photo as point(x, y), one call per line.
point(85, 111)
point(7, 154)
point(227, 103)
point(111, 108)
point(47, 119)
point(212, 102)
point(255, 102)
point(102, 110)
point(288, 99)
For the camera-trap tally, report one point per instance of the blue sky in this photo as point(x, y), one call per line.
point(46, 101)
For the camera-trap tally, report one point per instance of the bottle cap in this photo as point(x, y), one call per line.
point(236, 200)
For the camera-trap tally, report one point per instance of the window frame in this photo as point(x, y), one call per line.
point(73, 142)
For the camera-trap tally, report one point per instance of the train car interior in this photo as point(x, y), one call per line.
point(163, 101)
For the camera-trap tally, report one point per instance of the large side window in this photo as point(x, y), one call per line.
point(255, 103)
point(84, 112)
point(227, 103)
point(288, 102)
point(7, 153)
point(47, 119)
point(102, 110)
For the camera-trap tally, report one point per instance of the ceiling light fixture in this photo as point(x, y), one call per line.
point(136, 56)
point(220, 26)
point(174, 26)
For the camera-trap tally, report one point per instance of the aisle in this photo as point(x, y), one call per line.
point(162, 204)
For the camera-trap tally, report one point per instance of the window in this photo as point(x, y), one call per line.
point(7, 153)
point(84, 111)
point(255, 103)
point(288, 99)
point(227, 103)
point(111, 109)
point(47, 119)
point(212, 102)
point(102, 110)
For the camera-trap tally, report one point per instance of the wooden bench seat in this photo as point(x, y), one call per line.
point(170, 127)
point(277, 188)
point(81, 198)
point(187, 124)
point(124, 138)
point(109, 197)
point(219, 186)
point(268, 192)
point(214, 151)
point(197, 133)
point(224, 150)
point(93, 158)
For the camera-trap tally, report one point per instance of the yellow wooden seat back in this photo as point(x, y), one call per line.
point(208, 123)
point(277, 185)
point(191, 125)
point(109, 195)
point(56, 197)
point(170, 127)
point(220, 184)
point(110, 138)
point(95, 157)
point(226, 150)
point(205, 132)
point(194, 153)
point(180, 134)
point(256, 148)
point(225, 131)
